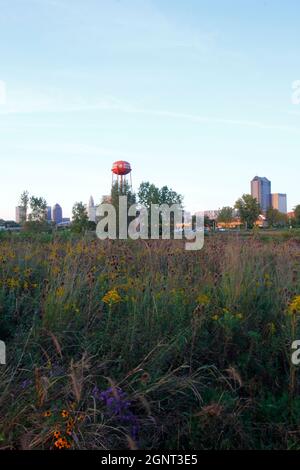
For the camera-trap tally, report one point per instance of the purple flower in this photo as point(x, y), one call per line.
point(26, 383)
point(118, 406)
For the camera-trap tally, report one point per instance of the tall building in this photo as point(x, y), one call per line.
point(91, 209)
point(57, 214)
point(20, 214)
point(261, 190)
point(279, 202)
point(49, 214)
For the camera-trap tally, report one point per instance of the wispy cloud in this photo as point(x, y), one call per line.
point(57, 102)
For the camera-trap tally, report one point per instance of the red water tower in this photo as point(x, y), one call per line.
point(120, 171)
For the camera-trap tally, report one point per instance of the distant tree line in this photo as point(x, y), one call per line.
point(247, 209)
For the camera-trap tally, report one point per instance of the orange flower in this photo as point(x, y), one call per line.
point(47, 414)
point(65, 414)
point(62, 443)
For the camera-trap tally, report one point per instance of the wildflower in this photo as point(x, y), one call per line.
point(62, 443)
point(215, 317)
point(47, 414)
point(118, 407)
point(294, 306)
point(13, 283)
point(203, 299)
point(65, 414)
point(145, 378)
point(26, 383)
point(56, 434)
point(60, 291)
point(112, 297)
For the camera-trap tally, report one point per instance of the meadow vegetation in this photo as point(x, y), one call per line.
point(115, 345)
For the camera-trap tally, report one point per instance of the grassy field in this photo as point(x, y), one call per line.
point(115, 345)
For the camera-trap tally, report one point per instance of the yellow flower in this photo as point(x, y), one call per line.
point(112, 297)
point(60, 291)
point(13, 283)
point(215, 317)
point(294, 306)
point(203, 299)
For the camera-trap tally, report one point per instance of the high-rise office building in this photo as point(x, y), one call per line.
point(49, 214)
point(20, 214)
point(261, 190)
point(279, 202)
point(91, 209)
point(57, 214)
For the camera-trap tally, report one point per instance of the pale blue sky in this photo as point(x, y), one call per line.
point(196, 94)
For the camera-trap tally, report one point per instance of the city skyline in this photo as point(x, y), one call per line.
point(87, 83)
point(260, 189)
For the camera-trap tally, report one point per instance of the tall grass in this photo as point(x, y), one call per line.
point(143, 345)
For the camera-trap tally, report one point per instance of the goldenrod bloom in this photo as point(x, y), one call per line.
point(112, 297)
point(294, 306)
point(203, 299)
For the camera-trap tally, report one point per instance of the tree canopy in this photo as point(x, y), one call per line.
point(150, 194)
point(249, 209)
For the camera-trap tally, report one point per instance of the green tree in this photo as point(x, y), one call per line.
point(276, 218)
point(116, 192)
point(80, 218)
point(38, 206)
point(150, 194)
point(226, 215)
point(24, 204)
point(37, 219)
point(297, 215)
point(168, 196)
point(249, 209)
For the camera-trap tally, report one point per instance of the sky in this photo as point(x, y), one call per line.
point(196, 94)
